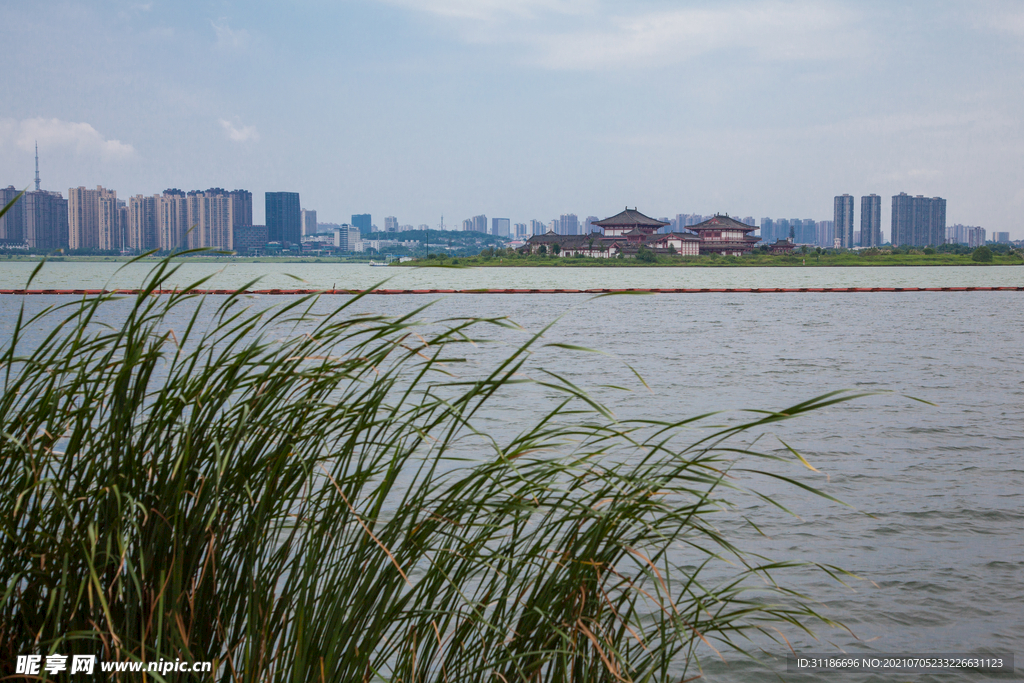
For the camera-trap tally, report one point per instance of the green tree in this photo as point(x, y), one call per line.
point(982, 255)
point(644, 254)
point(543, 250)
point(555, 249)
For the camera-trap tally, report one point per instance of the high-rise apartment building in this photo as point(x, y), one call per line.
point(782, 229)
point(172, 220)
point(537, 227)
point(113, 222)
point(143, 223)
point(825, 232)
point(284, 220)
point(568, 224)
point(870, 220)
point(12, 223)
point(467, 225)
point(83, 218)
point(1001, 237)
point(918, 221)
point(39, 219)
point(241, 206)
point(501, 227)
point(805, 230)
point(308, 218)
point(776, 229)
point(364, 222)
point(844, 220)
point(46, 220)
point(975, 237)
point(937, 221)
point(211, 220)
point(96, 219)
point(390, 224)
point(345, 237)
point(902, 226)
point(480, 223)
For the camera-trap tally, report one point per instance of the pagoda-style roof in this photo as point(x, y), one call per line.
point(721, 223)
point(630, 218)
point(782, 245)
point(661, 236)
point(551, 237)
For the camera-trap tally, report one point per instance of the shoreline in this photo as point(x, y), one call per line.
point(475, 262)
point(353, 292)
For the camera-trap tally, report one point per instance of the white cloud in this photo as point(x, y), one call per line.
point(596, 34)
point(230, 38)
point(1010, 22)
point(496, 10)
point(239, 133)
point(80, 138)
point(777, 31)
point(1000, 16)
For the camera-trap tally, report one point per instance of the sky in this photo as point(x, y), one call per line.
point(524, 109)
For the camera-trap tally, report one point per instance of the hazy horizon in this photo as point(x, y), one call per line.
point(527, 109)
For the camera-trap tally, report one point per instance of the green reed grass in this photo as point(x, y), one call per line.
point(303, 497)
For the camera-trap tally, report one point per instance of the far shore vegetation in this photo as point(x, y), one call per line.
point(497, 255)
point(946, 255)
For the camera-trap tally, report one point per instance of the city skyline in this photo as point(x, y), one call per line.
point(525, 108)
point(245, 210)
point(221, 219)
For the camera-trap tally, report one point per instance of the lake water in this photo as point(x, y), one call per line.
point(936, 532)
point(78, 275)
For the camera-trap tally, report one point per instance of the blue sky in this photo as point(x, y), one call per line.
point(525, 109)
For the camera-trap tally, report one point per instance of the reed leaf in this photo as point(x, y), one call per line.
point(306, 497)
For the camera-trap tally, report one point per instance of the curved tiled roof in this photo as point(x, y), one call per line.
point(629, 217)
point(719, 222)
point(688, 236)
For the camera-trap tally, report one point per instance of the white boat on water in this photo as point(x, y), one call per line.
point(388, 259)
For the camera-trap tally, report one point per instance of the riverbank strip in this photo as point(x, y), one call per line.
point(350, 292)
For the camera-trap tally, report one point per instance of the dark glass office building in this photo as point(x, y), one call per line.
point(363, 222)
point(284, 221)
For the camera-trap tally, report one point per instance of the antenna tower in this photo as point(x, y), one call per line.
point(37, 167)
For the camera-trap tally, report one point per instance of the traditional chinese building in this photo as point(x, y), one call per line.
point(624, 233)
point(629, 221)
point(725, 235)
point(781, 247)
